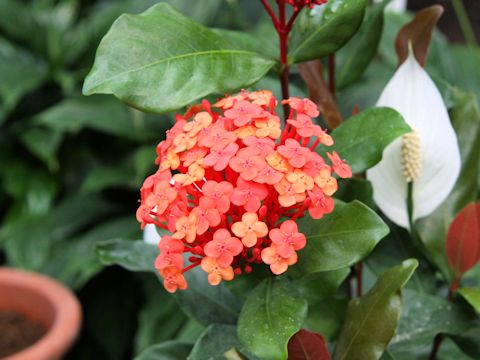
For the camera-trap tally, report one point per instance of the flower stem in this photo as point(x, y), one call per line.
point(465, 23)
point(283, 40)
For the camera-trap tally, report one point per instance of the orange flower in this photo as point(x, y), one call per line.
point(186, 228)
point(250, 229)
point(173, 279)
point(278, 264)
point(216, 273)
point(326, 182)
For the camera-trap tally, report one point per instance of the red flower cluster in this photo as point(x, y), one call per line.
point(298, 4)
point(230, 184)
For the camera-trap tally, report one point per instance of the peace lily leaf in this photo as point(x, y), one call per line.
point(306, 345)
point(423, 109)
point(168, 350)
point(215, 341)
point(168, 61)
point(206, 303)
point(463, 239)
point(433, 229)
point(371, 319)
point(340, 239)
point(469, 341)
point(424, 316)
point(361, 139)
point(325, 29)
point(362, 48)
point(131, 255)
point(472, 295)
point(272, 313)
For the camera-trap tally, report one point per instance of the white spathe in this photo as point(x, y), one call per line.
point(396, 5)
point(150, 234)
point(414, 95)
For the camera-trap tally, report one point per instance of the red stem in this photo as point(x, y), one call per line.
point(270, 12)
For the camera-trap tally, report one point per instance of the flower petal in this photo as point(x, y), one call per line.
point(413, 94)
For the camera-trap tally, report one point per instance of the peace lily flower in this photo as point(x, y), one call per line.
point(150, 234)
point(428, 157)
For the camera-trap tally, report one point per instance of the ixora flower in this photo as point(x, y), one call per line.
point(230, 184)
point(428, 158)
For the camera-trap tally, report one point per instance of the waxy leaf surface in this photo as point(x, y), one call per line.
point(307, 345)
point(325, 29)
point(361, 139)
point(354, 58)
point(424, 316)
point(161, 60)
point(340, 239)
point(463, 239)
point(372, 319)
point(273, 312)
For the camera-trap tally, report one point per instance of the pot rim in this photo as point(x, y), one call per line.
point(67, 320)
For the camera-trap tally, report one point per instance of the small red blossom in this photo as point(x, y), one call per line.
point(230, 185)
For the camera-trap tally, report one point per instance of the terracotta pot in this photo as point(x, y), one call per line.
point(47, 301)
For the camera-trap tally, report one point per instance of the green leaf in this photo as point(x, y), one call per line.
point(356, 189)
point(423, 317)
point(354, 58)
point(340, 239)
point(472, 295)
point(160, 319)
point(317, 286)
point(168, 350)
point(131, 255)
point(20, 72)
point(326, 317)
point(371, 319)
point(325, 29)
point(171, 58)
point(273, 312)
point(361, 139)
point(216, 340)
point(103, 114)
point(469, 341)
point(206, 303)
point(465, 116)
point(43, 143)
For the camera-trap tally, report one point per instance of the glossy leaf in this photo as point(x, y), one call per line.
point(424, 316)
point(306, 345)
point(215, 341)
point(361, 139)
point(419, 33)
point(354, 58)
point(169, 350)
point(172, 61)
point(206, 303)
point(327, 316)
point(465, 116)
point(463, 239)
point(372, 319)
point(325, 29)
point(317, 286)
point(472, 295)
point(131, 255)
point(340, 239)
point(272, 313)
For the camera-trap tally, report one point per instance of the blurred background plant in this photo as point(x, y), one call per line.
point(71, 166)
